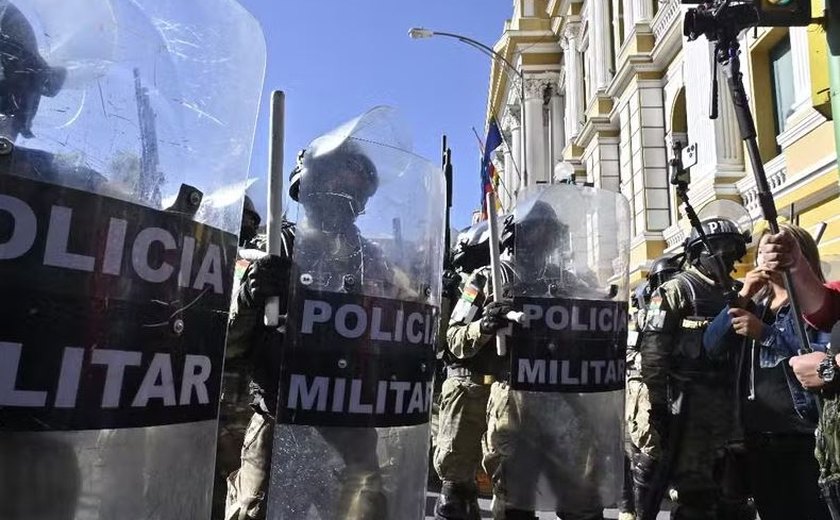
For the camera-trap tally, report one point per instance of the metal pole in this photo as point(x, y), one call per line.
point(274, 220)
point(727, 55)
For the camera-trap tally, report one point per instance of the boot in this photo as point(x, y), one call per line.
point(457, 501)
point(644, 487)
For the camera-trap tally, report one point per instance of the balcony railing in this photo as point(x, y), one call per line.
point(669, 12)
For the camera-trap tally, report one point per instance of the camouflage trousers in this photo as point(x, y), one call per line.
point(462, 421)
point(706, 428)
point(528, 442)
point(637, 416)
point(828, 441)
point(247, 486)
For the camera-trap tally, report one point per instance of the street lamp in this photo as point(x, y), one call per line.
point(420, 33)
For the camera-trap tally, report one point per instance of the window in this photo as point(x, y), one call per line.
point(781, 71)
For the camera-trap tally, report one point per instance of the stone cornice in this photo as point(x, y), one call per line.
point(631, 63)
point(598, 120)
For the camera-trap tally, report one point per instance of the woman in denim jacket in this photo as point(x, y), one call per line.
point(777, 416)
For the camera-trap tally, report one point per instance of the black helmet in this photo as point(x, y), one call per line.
point(294, 177)
point(472, 247)
point(26, 76)
point(663, 269)
point(251, 209)
point(725, 239)
point(344, 171)
point(539, 221)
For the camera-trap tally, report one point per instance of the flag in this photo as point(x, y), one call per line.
point(489, 177)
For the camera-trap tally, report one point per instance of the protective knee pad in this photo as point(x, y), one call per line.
point(643, 469)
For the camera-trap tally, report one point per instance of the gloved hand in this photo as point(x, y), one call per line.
point(451, 282)
point(494, 317)
point(267, 276)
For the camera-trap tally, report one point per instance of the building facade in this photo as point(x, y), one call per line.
point(603, 88)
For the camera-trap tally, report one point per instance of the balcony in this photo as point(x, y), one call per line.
point(669, 12)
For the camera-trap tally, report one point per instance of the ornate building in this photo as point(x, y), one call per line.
point(603, 87)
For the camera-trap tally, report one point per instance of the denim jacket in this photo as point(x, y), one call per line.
point(778, 343)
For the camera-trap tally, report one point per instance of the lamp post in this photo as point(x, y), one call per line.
point(419, 33)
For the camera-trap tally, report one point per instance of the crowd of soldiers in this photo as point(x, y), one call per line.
point(720, 403)
point(725, 404)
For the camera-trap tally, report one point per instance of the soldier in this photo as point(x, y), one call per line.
point(463, 401)
point(637, 406)
point(105, 448)
point(336, 458)
point(235, 411)
point(523, 445)
point(683, 448)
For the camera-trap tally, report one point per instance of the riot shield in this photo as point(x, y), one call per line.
point(352, 434)
point(566, 398)
point(116, 118)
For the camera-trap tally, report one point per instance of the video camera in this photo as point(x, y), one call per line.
point(718, 19)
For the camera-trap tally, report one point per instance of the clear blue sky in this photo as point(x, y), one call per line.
point(336, 58)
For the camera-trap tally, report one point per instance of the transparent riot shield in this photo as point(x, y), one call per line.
point(562, 423)
point(117, 118)
point(353, 404)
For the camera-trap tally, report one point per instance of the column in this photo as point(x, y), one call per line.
point(574, 96)
point(511, 123)
point(599, 45)
point(629, 18)
point(558, 122)
point(535, 132)
point(509, 176)
point(801, 65)
point(720, 149)
point(642, 11)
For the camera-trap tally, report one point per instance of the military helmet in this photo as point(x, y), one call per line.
point(663, 269)
point(345, 171)
point(723, 235)
point(538, 220)
point(249, 207)
point(24, 75)
point(472, 247)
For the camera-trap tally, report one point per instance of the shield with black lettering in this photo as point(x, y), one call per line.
point(569, 279)
point(116, 254)
point(354, 395)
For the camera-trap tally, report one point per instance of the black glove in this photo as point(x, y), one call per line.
point(268, 276)
point(451, 283)
point(494, 317)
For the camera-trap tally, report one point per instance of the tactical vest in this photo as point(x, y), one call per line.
point(705, 303)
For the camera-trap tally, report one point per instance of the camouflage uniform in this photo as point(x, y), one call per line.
point(472, 365)
point(506, 415)
point(828, 449)
point(247, 486)
point(673, 362)
point(234, 410)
